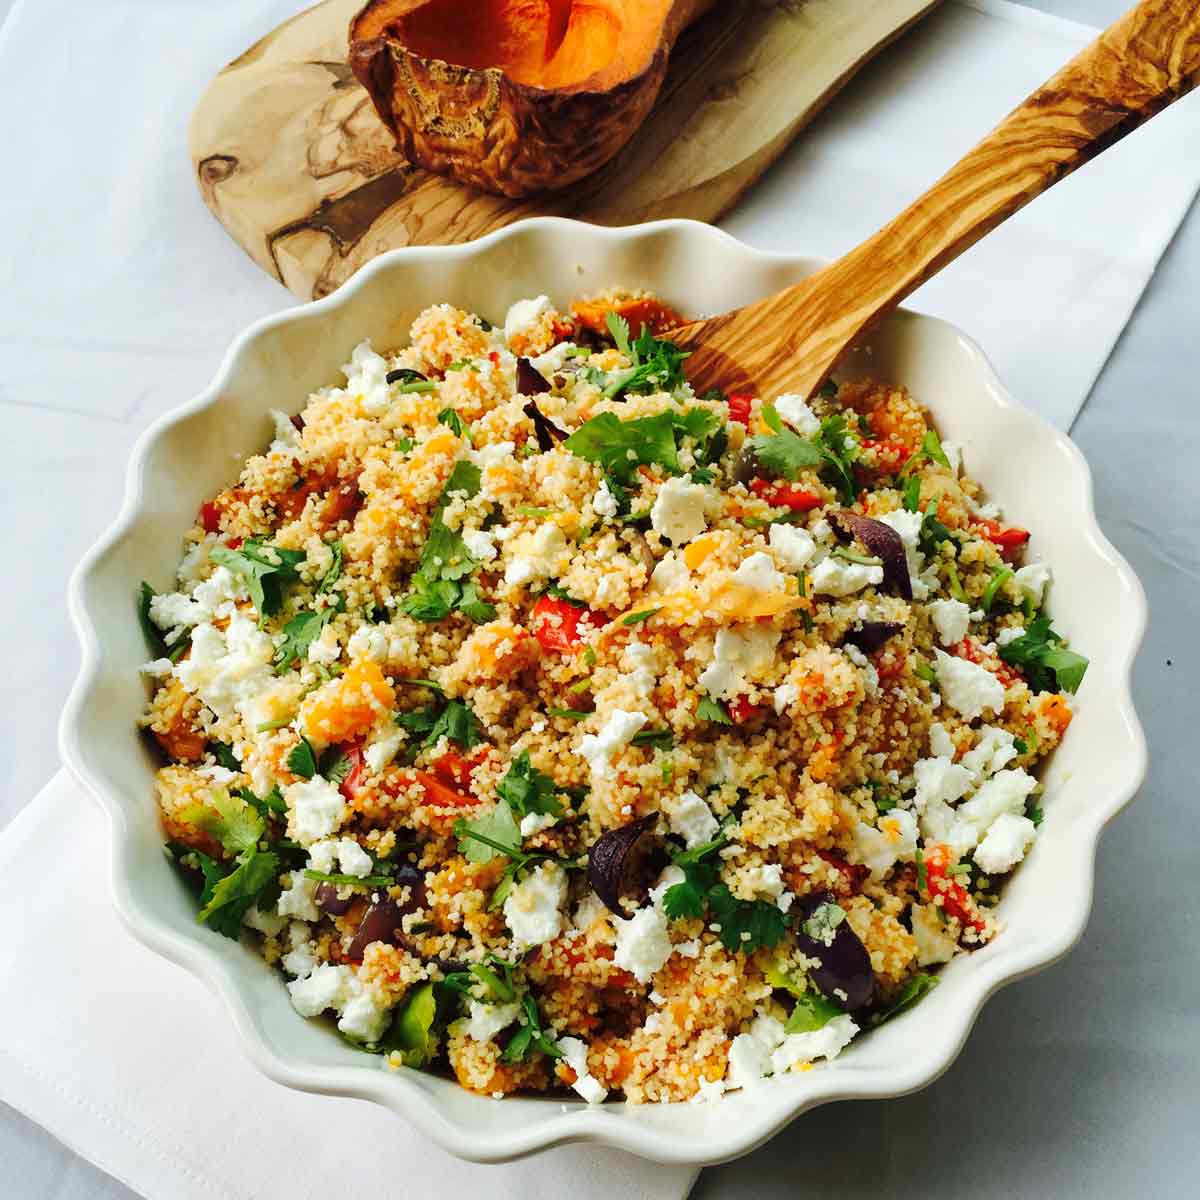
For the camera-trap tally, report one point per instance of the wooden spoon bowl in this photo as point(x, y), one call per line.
point(790, 341)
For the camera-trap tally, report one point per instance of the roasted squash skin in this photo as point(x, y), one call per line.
point(515, 97)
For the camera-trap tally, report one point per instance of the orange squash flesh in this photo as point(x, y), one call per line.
point(515, 96)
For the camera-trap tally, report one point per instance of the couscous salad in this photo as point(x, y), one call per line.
point(544, 721)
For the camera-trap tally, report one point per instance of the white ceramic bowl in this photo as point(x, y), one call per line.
point(1037, 475)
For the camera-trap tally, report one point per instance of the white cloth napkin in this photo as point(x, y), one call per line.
point(133, 1063)
point(121, 293)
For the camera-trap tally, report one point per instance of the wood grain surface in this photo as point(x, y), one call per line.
point(293, 161)
point(791, 341)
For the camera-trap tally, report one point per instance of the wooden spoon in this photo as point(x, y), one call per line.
point(790, 342)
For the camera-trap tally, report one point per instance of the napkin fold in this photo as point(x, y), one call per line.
point(131, 1062)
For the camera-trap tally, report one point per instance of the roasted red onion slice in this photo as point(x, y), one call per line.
point(871, 635)
point(547, 432)
point(882, 541)
point(530, 381)
point(844, 975)
point(606, 861)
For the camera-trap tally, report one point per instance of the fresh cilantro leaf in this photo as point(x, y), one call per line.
point(302, 760)
point(433, 600)
point(154, 637)
point(225, 901)
point(618, 447)
point(272, 802)
point(1047, 663)
point(932, 532)
point(839, 449)
point(229, 819)
point(812, 1012)
point(404, 444)
point(264, 569)
point(916, 989)
point(363, 881)
point(419, 720)
point(530, 1035)
point(225, 756)
point(496, 832)
point(702, 475)
point(785, 454)
point(334, 765)
point(472, 605)
point(912, 493)
point(931, 445)
point(335, 568)
point(712, 710)
point(456, 722)
point(772, 419)
point(657, 364)
point(452, 421)
point(922, 873)
point(528, 790)
point(660, 739)
point(1033, 810)
point(745, 924)
point(298, 635)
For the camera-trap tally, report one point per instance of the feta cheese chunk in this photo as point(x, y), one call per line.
point(995, 749)
point(575, 1056)
point(533, 909)
point(894, 840)
point(939, 741)
point(934, 944)
point(793, 546)
point(967, 687)
point(537, 555)
point(785, 695)
point(826, 1042)
point(950, 619)
point(1005, 843)
point(618, 731)
point(339, 988)
point(760, 573)
point(939, 781)
point(1032, 580)
point(691, 818)
point(604, 503)
point(736, 653)
point(532, 823)
point(679, 510)
point(795, 411)
point(643, 944)
point(317, 809)
point(480, 544)
point(749, 1061)
point(525, 315)
point(1005, 792)
point(836, 577)
point(486, 1020)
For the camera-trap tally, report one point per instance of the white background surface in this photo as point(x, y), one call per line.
point(1081, 1081)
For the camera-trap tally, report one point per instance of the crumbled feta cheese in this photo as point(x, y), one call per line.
point(908, 526)
point(934, 944)
point(836, 577)
point(604, 503)
point(768, 1030)
point(317, 809)
point(691, 818)
point(995, 749)
point(793, 546)
point(587, 911)
point(1005, 843)
point(641, 661)
point(370, 641)
point(353, 859)
point(363, 1018)
point(297, 899)
point(1032, 580)
point(950, 619)
point(227, 670)
point(324, 648)
point(826, 1042)
point(160, 668)
point(265, 922)
point(533, 907)
point(325, 987)
point(670, 573)
point(736, 653)
point(486, 1020)
point(708, 1090)
point(575, 1056)
point(953, 453)
point(785, 695)
point(383, 748)
point(287, 436)
point(173, 612)
point(554, 359)
point(301, 959)
point(967, 687)
point(520, 572)
point(690, 949)
point(525, 315)
point(480, 545)
point(795, 411)
point(1005, 792)
point(865, 665)
point(749, 1061)
point(939, 781)
point(894, 840)
point(679, 510)
point(939, 741)
point(760, 573)
point(366, 377)
point(618, 731)
point(532, 823)
point(536, 556)
point(643, 943)
point(765, 881)
point(1010, 635)
point(491, 454)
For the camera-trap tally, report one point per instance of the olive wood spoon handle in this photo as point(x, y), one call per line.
point(790, 341)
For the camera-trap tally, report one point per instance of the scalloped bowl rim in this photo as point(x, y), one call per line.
point(760, 1114)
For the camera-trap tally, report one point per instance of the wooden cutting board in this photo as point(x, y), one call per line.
point(292, 160)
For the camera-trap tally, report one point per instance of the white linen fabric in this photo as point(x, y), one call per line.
point(118, 294)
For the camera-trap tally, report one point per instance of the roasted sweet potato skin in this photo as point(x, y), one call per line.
point(494, 132)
